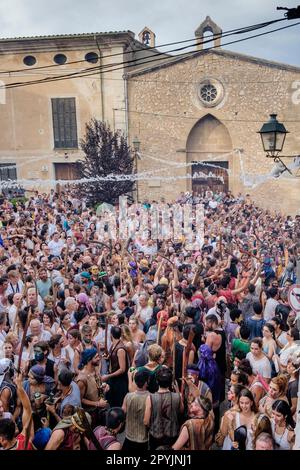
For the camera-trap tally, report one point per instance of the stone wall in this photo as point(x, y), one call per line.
point(164, 107)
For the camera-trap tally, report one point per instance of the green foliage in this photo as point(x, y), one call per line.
point(106, 153)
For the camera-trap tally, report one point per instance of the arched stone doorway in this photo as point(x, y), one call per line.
point(207, 142)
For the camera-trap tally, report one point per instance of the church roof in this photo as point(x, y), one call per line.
point(69, 41)
point(67, 36)
point(168, 62)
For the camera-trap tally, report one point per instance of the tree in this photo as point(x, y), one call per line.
point(106, 154)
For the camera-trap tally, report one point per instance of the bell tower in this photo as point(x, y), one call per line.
point(208, 25)
point(147, 37)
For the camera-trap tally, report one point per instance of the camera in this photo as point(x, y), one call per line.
point(50, 400)
point(221, 308)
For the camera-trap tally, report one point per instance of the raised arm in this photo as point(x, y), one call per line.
point(255, 279)
point(157, 274)
point(27, 410)
point(242, 288)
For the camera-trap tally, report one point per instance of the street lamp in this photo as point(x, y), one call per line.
point(273, 135)
point(136, 146)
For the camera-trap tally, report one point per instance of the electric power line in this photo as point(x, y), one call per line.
point(95, 70)
point(232, 31)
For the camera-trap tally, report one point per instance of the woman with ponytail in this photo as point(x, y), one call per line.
point(283, 425)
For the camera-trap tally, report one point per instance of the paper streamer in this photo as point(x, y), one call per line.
point(248, 180)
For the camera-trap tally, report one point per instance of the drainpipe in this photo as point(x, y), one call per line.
point(126, 107)
point(101, 79)
point(127, 121)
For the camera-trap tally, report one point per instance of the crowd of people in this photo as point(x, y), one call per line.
point(147, 344)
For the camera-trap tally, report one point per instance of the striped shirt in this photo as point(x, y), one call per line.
point(135, 429)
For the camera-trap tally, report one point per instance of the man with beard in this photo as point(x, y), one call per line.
point(43, 283)
point(91, 388)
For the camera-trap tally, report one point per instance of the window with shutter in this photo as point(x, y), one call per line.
point(64, 123)
point(8, 171)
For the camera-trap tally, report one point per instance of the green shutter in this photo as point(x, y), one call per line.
point(64, 123)
point(8, 171)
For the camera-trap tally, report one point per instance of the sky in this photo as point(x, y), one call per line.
point(171, 20)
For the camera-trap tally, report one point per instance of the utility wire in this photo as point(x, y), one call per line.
point(97, 70)
point(82, 73)
point(104, 66)
point(232, 31)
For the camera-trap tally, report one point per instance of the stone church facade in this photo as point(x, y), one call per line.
point(198, 115)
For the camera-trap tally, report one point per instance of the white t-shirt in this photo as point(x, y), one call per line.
point(149, 250)
point(51, 229)
point(15, 288)
point(27, 356)
point(2, 336)
point(44, 336)
point(287, 353)
point(212, 311)
point(282, 339)
point(70, 353)
point(56, 247)
point(100, 338)
point(145, 314)
point(57, 360)
point(270, 307)
point(213, 204)
point(262, 366)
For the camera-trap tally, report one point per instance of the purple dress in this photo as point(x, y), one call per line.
point(209, 371)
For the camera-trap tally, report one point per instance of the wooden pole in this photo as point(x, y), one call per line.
point(66, 260)
point(120, 268)
point(24, 293)
point(106, 335)
point(185, 358)
point(158, 330)
point(54, 295)
point(88, 430)
point(173, 354)
point(24, 337)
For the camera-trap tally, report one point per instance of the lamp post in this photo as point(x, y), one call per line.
point(273, 134)
point(136, 146)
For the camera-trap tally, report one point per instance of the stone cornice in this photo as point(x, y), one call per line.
point(234, 55)
point(68, 42)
